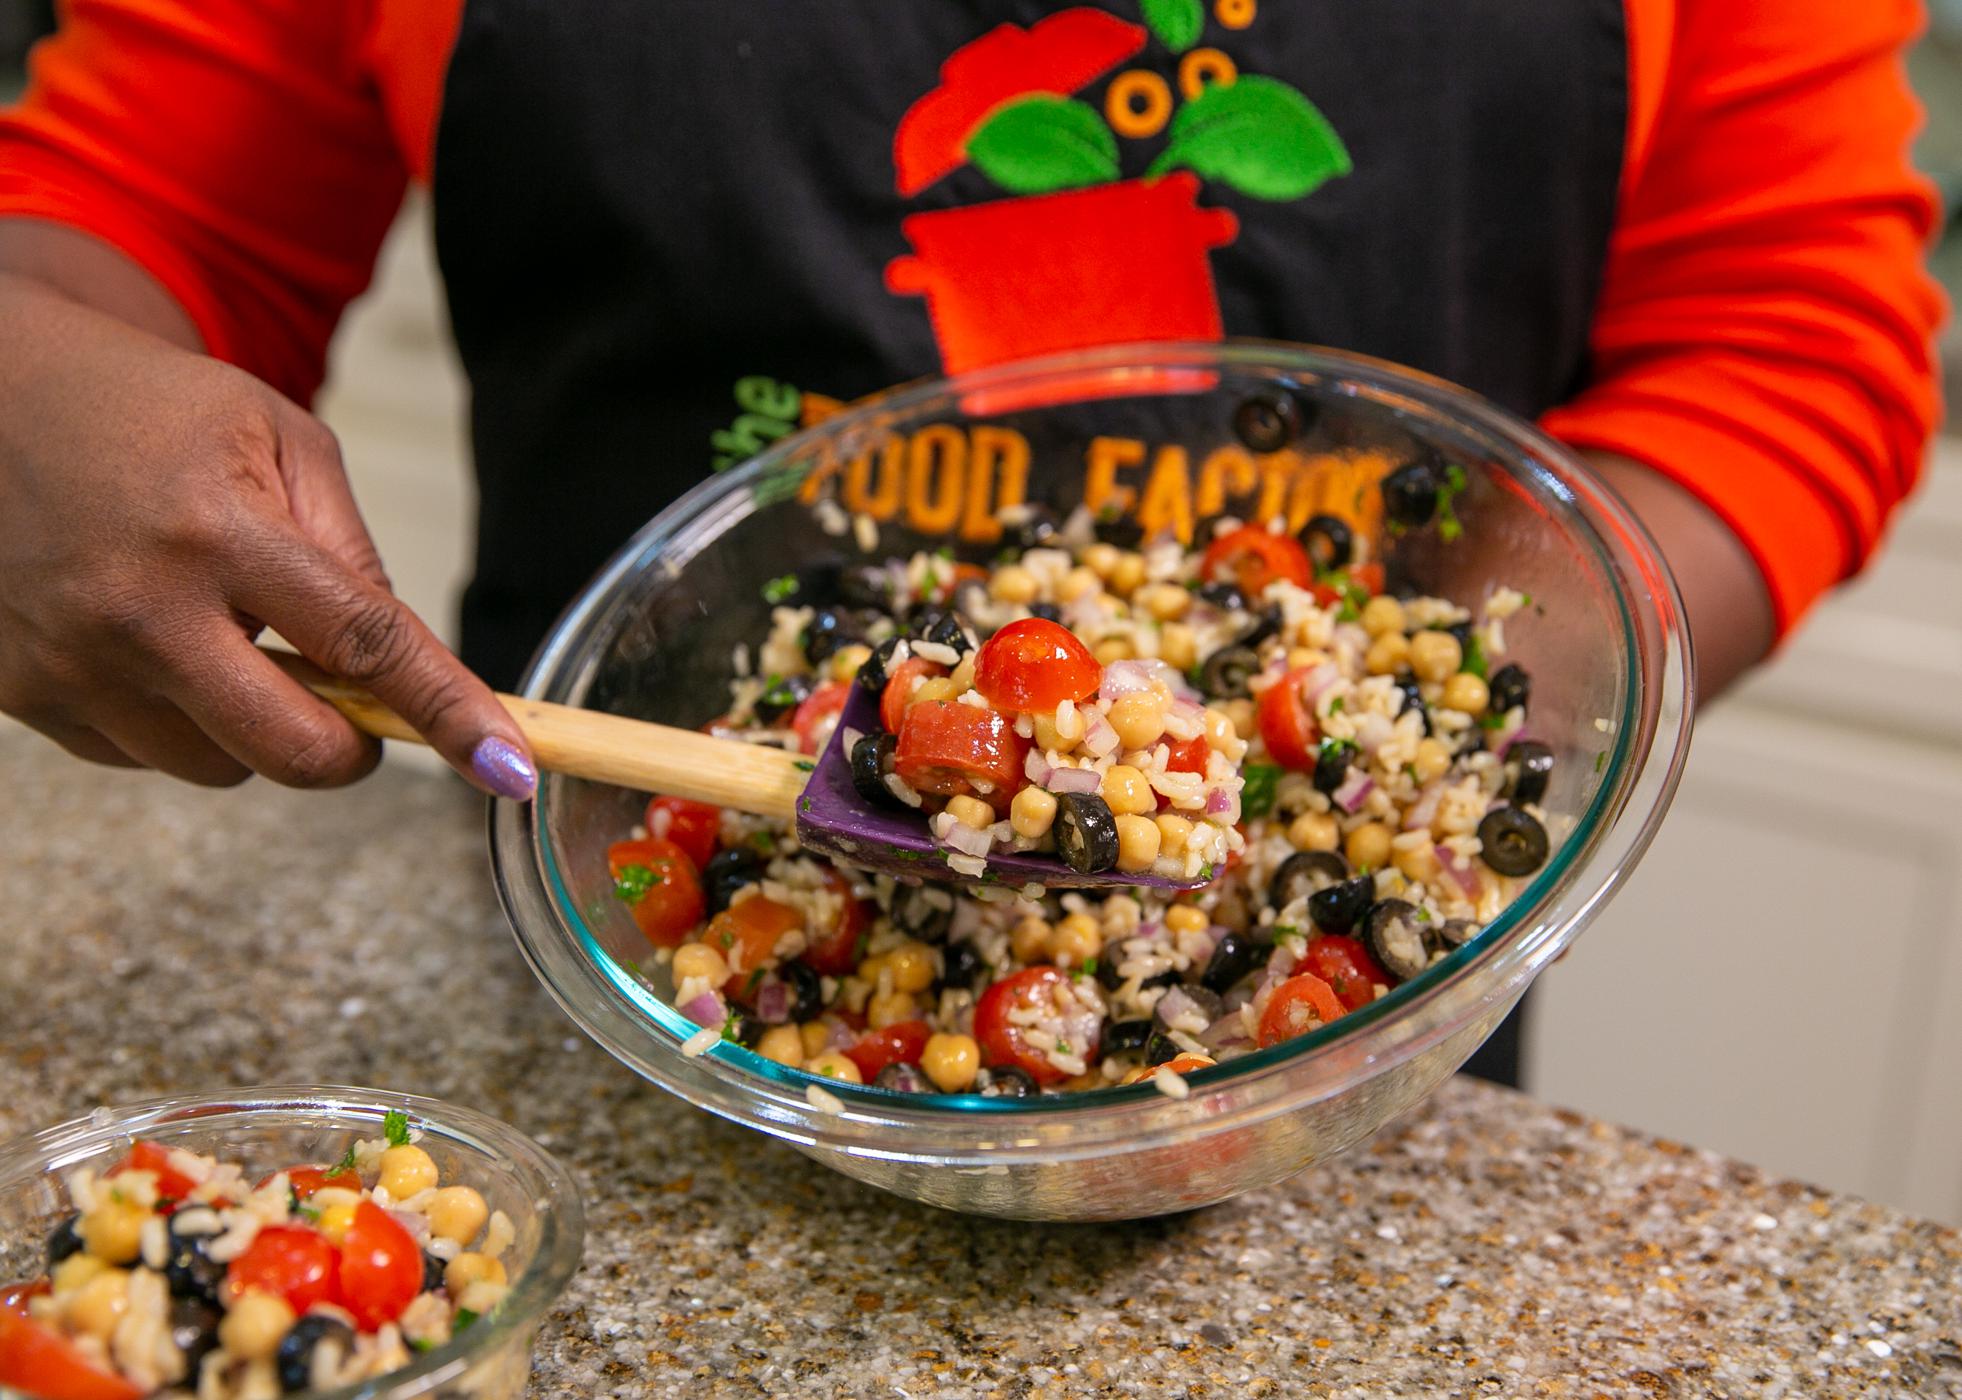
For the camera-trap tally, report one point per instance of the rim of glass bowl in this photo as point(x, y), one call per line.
point(1649, 744)
point(556, 1202)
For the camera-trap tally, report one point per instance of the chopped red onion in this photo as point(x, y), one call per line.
point(1317, 681)
point(968, 840)
point(1175, 1004)
point(1035, 767)
point(773, 1002)
point(1123, 678)
point(707, 1010)
point(839, 1036)
point(659, 821)
point(1355, 791)
point(415, 1222)
point(1073, 780)
point(1185, 708)
point(1219, 802)
point(1101, 739)
point(1229, 1032)
point(1373, 731)
point(1459, 870)
point(1424, 809)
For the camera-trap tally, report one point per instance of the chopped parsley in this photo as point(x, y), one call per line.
point(780, 589)
point(1448, 528)
point(1525, 600)
point(728, 939)
point(346, 1164)
point(764, 841)
point(633, 882)
point(1338, 704)
point(732, 1028)
point(307, 1213)
point(395, 1127)
point(805, 765)
point(1354, 596)
point(1286, 930)
point(946, 552)
point(778, 695)
point(754, 978)
point(804, 804)
point(1423, 915)
point(464, 1317)
point(1474, 661)
point(421, 1344)
point(1257, 799)
point(1089, 969)
point(1063, 1046)
point(1600, 760)
point(1335, 750)
point(1206, 871)
point(930, 581)
point(1491, 721)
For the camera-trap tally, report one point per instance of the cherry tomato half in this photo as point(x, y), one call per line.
point(1004, 1043)
point(746, 934)
point(946, 747)
point(290, 1262)
point(900, 1044)
point(1301, 1004)
point(1034, 665)
point(1190, 756)
point(893, 700)
point(381, 1267)
point(666, 900)
point(817, 716)
point(1252, 558)
point(835, 953)
point(39, 1361)
point(693, 826)
point(304, 1181)
point(1346, 965)
point(152, 1157)
point(1286, 724)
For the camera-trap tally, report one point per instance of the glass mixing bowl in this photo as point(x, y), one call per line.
point(1148, 430)
point(270, 1128)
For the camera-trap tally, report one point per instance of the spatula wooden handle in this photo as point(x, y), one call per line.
point(607, 748)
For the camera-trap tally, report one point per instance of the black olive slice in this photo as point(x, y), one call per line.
point(1086, 832)
point(1223, 595)
point(1509, 687)
point(1528, 766)
point(1332, 760)
point(922, 911)
point(1337, 908)
point(782, 695)
point(1269, 420)
point(1234, 957)
point(1227, 671)
point(1395, 938)
point(871, 760)
point(1330, 543)
point(1410, 492)
point(1006, 1082)
point(1511, 841)
point(1126, 1037)
point(1306, 873)
point(294, 1359)
point(728, 871)
point(903, 1078)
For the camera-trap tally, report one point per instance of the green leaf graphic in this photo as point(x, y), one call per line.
point(1042, 143)
point(1257, 135)
point(1176, 23)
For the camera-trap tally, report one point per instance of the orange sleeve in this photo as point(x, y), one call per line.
point(1765, 324)
point(238, 150)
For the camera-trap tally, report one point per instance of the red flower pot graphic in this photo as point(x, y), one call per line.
point(1065, 271)
point(1083, 258)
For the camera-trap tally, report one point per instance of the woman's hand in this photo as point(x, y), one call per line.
point(157, 510)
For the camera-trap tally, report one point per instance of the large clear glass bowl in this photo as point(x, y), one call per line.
point(267, 1129)
point(652, 636)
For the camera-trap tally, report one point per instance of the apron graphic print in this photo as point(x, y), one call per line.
point(1078, 256)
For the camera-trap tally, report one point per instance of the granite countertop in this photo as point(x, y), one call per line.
point(155, 938)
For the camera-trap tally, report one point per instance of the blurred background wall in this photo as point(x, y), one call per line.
point(1782, 979)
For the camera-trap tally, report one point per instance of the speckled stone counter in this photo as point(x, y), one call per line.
point(154, 938)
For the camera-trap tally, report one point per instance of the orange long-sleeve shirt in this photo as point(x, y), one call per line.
point(1762, 335)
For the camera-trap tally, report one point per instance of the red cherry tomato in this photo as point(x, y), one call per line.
point(693, 826)
point(152, 1157)
point(381, 1267)
point(306, 1180)
point(1346, 965)
point(1252, 558)
point(38, 1361)
point(818, 715)
point(900, 1044)
point(1005, 1043)
point(747, 934)
point(671, 905)
point(1286, 723)
point(290, 1262)
point(1190, 756)
point(946, 748)
point(835, 953)
point(893, 700)
point(1301, 1004)
point(1185, 1062)
point(1034, 665)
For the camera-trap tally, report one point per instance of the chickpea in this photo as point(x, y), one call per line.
point(1382, 614)
point(1435, 656)
point(1137, 843)
point(1077, 583)
point(815, 1035)
point(253, 1326)
point(471, 1267)
point(1219, 728)
point(1114, 649)
point(1013, 584)
point(936, 688)
point(1139, 719)
point(1185, 918)
point(1415, 860)
point(1301, 658)
point(1178, 645)
point(1076, 940)
point(1314, 831)
point(1432, 760)
point(846, 660)
point(1173, 832)
point(1029, 939)
point(1061, 731)
point(1101, 559)
point(1243, 717)
point(693, 960)
point(1467, 693)
point(788, 1045)
point(832, 1065)
point(1127, 574)
point(113, 1231)
point(911, 966)
point(951, 1062)
point(457, 1213)
point(335, 1221)
point(71, 1273)
point(1032, 812)
point(1165, 601)
point(963, 676)
point(1126, 791)
point(405, 1170)
point(971, 811)
point(1368, 846)
point(1387, 655)
point(97, 1306)
point(889, 1009)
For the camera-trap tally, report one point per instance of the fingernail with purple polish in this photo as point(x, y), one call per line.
point(505, 770)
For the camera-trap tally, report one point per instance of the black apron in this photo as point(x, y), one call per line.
point(665, 228)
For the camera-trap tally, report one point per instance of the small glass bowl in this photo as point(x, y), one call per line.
point(273, 1127)
point(1160, 433)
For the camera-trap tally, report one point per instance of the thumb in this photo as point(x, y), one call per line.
point(321, 501)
